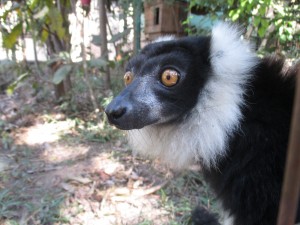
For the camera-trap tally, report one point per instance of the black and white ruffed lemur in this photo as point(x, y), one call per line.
point(211, 100)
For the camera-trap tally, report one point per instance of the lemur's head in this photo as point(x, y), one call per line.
point(182, 97)
point(163, 83)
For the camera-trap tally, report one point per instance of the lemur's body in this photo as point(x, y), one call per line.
point(210, 100)
point(248, 180)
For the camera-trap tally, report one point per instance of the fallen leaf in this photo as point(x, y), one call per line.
point(103, 176)
point(68, 187)
point(122, 191)
point(79, 179)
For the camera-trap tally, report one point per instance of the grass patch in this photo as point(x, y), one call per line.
point(91, 131)
point(8, 204)
point(46, 211)
point(185, 193)
point(49, 210)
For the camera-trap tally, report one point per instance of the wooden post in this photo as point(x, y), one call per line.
point(103, 36)
point(137, 11)
point(291, 184)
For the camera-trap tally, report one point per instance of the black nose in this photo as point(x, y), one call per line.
point(114, 113)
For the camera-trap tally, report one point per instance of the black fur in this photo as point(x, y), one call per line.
point(202, 216)
point(248, 179)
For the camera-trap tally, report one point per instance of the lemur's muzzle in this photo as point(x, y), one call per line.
point(130, 111)
point(120, 113)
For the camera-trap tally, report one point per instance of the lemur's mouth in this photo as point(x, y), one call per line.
point(130, 124)
point(124, 125)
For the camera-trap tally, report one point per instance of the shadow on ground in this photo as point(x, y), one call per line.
point(51, 172)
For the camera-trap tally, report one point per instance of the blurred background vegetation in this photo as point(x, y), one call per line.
point(80, 40)
point(61, 62)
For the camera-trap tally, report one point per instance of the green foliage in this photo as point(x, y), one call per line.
point(41, 18)
point(10, 39)
point(12, 75)
point(41, 14)
point(276, 21)
point(62, 73)
point(56, 22)
point(44, 21)
point(98, 63)
point(11, 88)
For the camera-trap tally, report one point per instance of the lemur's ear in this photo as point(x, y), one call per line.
point(231, 57)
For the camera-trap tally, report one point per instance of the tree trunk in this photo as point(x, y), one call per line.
point(85, 73)
point(59, 88)
point(103, 36)
point(55, 45)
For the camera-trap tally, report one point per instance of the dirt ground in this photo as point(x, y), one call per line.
point(50, 173)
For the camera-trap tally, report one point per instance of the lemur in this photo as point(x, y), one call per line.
point(210, 100)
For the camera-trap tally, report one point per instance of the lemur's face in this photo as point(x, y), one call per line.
point(162, 84)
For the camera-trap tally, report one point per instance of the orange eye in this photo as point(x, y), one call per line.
point(128, 77)
point(169, 77)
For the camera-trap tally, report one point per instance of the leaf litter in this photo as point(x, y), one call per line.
point(49, 175)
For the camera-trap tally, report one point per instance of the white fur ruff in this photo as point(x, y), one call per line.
point(204, 135)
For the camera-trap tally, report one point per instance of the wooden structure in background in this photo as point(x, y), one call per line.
point(164, 18)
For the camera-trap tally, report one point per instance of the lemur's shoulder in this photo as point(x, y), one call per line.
point(273, 85)
point(277, 71)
